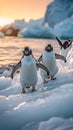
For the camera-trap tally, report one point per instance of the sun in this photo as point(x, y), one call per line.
point(4, 21)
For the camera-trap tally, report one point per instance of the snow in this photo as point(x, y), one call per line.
point(49, 108)
point(57, 123)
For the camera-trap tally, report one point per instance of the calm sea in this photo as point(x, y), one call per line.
point(11, 48)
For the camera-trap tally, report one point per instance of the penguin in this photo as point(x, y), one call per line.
point(65, 47)
point(48, 58)
point(28, 71)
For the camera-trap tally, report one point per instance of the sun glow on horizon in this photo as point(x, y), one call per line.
point(4, 21)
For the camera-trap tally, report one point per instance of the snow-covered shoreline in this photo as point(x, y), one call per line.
point(50, 107)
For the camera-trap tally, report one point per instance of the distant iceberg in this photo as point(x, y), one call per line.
point(19, 24)
point(58, 11)
point(64, 30)
point(37, 32)
point(13, 28)
point(58, 17)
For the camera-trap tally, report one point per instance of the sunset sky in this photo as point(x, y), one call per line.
point(23, 9)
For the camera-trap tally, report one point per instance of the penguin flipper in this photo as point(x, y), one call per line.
point(59, 41)
point(15, 68)
point(60, 57)
point(39, 65)
point(40, 59)
point(69, 44)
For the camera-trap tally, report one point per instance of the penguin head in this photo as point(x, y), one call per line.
point(65, 44)
point(49, 48)
point(27, 51)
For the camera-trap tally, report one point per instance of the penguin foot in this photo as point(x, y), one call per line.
point(27, 86)
point(23, 90)
point(53, 78)
point(45, 81)
point(33, 90)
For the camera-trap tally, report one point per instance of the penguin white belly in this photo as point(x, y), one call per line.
point(64, 52)
point(28, 74)
point(50, 62)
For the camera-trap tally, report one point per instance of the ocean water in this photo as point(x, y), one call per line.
point(50, 107)
point(11, 48)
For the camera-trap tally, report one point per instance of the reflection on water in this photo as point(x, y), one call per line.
point(11, 48)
